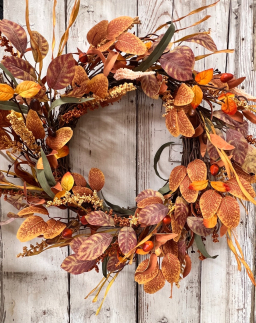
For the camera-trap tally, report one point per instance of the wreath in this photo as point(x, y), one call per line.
point(201, 197)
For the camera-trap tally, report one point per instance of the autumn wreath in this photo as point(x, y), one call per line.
point(202, 195)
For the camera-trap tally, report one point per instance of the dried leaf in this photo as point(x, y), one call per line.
point(150, 86)
point(4, 122)
point(188, 266)
point(15, 34)
point(98, 85)
point(130, 44)
point(127, 239)
point(170, 247)
point(237, 140)
point(171, 121)
point(204, 77)
point(118, 25)
point(6, 92)
point(149, 200)
point(148, 193)
point(31, 228)
point(96, 179)
point(155, 284)
point(63, 135)
point(198, 96)
point(220, 143)
point(176, 177)
point(185, 126)
point(241, 127)
point(54, 229)
point(171, 268)
point(79, 179)
point(94, 246)
point(100, 218)
point(34, 124)
point(40, 42)
point(60, 72)
point(82, 190)
point(114, 264)
point(152, 214)
point(179, 63)
point(67, 181)
point(209, 203)
point(28, 89)
point(181, 211)
point(33, 209)
point(76, 267)
point(19, 68)
point(229, 212)
point(76, 243)
point(146, 271)
point(235, 189)
point(97, 33)
point(249, 164)
point(197, 170)
point(184, 96)
point(204, 40)
point(175, 228)
point(211, 149)
point(250, 116)
point(189, 195)
point(197, 226)
point(80, 77)
point(211, 222)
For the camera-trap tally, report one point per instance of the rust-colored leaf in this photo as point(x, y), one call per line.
point(185, 126)
point(198, 96)
point(6, 92)
point(96, 179)
point(150, 86)
point(236, 139)
point(153, 214)
point(235, 82)
point(99, 218)
point(198, 185)
point(229, 212)
point(250, 116)
point(171, 268)
point(4, 122)
point(184, 95)
point(211, 222)
point(223, 230)
point(147, 270)
point(236, 191)
point(148, 193)
point(61, 71)
point(204, 77)
point(220, 143)
point(97, 33)
point(94, 246)
point(79, 179)
point(127, 239)
point(170, 247)
point(179, 63)
point(197, 170)
point(197, 226)
point(171, 121)
point(209, 203)
point(80, 77)
point(33, 209)
point(189, 195)
point(76, 267)
point(42, 44)
point(188, 266)
point(15, 34)
point(204, 40)
point(34, 124)
point(54, 229)
point(155, 284)
point(181, 211)
point(31, 228)
point(19, 68)
point(117, 26)
point(175, 228)
point(62, 152)
point(63, 135)
point(98, 85)
point(176, 177)
point(130, 44)
point(80, 190)
point(149, 200)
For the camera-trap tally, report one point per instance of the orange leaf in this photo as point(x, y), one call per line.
point(63, 135)
point(60, 194)
point(186, 128)
point(189, 195)
point(79, 179)
point(67, 181)
point(211, 222)
point(197, 170)
point(96, 179)
point(184, 95)
point(171, 122)
point(54, 228)
point(97, 33)
point(117, 26)
point(34, 124)
point(223, 230)
point(146, 271)
point(28, 89)
point(220, 143)
point(141, 252)
point(198, 96)
point(31, 228)
point(98, 85)
point(220, 186)
point(171, 268)
point(176, 177)
point(204, 77)
point(226, 95)
point(130, 44)
point(235, 189)
point(80, 77)
point(198, 185)
point(187, 269)
point(62, 152)
point(229, 212)
point(33, 209)
point(6, 92)
point(209, 203)
point(155, 284)
point(229, 106)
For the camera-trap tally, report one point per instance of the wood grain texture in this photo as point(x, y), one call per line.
point(106, 139)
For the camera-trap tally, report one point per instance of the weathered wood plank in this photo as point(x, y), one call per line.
point(105, 138)
point(33, 289)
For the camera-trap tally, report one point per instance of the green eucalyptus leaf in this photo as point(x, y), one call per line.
point(7, 72)
point(165, 189)
point(157, 158)
point(9, 105)
point(43, 182)
point(158, 51)
point(65, 100)
point(201, 247)
point(104, 266)
point(47, 170)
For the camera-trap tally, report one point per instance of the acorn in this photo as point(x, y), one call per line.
point(226, 77)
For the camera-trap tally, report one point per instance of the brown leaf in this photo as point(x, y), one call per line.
point(76, 243)
point(19, 68)
point(96, 179)
point(149, 200)
point(249, 164)
point(204, 40)
point(41, 43)
point(184, 95)
point(97, 33)
point(3, 143)
point(114, 264)
point(27, 177)
point(98, 85)
point(235, 82)
point(15, 34)
point(152, 214)
point(220, 143)
point(80, 77)
point(175, 228)
point(197, 226)
point(118, 25)
point(189, 195)
point(250, 116)
point(79, 179)
point(176, 177)
point(155, 284)
point(179, 63)
point(60, 72)
point(150, 86)
point(63, 135)
point(74, 266)
point(197, 170)
point(235, 189)
point(34, 124)
point(4, 122)
point(33, 209)
point(80, 190)
point(31, 228)
point(148, 193)
point(127, 239)
point(99, 218)
point(171, 121)
point(130, 44)
point(188, 266)
point(94, 246)
point(185, 126)
point(171, 268)
point(229, 212)
point(209, 203)
point(236, 139)
point(181, 211)
point(170, 247)
point(54, 229)
point(241, 127)
point(147, 270)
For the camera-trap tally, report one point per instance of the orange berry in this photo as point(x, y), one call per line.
point(83, 220)
point(148, 245)
point(67, 233)
point(166, 220)
point(226, 77)
point(214, 169)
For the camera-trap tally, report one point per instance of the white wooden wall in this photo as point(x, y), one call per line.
point(121, 140)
